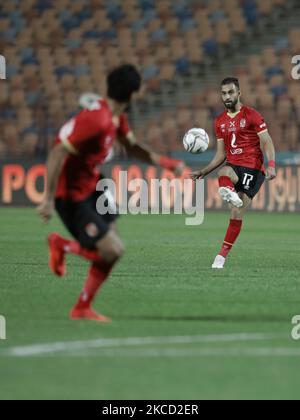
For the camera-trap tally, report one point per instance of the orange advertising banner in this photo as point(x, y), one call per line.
point(22, 184)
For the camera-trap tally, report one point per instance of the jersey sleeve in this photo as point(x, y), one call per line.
point(83, 128)
point(124, 127)
point(218, 131)
point(258, 122)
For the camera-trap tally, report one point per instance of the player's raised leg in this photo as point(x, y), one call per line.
point(60, 247)
point(227, 180)
point(233, 231)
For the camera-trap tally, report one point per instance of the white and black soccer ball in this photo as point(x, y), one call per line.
point(196, 140)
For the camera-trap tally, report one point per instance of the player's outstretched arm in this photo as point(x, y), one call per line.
point(54, 165)
point(267, 147)
point(143, 153)
point(217, 161)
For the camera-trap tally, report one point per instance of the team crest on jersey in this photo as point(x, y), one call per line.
point(232, 127)
point(243, 123)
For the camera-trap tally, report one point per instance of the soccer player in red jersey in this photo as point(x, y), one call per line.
point(242, 138)
point(73, 170)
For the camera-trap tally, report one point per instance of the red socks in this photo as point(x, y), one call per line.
point(97, 275)
point(235, 225)
point(232, 234)
point(225, 181)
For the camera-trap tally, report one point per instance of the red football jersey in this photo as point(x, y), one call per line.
point(240, 134)
point(89, 137)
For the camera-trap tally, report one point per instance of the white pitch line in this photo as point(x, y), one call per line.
point(188, 352)
point(71, 346)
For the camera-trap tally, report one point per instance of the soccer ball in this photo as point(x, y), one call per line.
point(196, 140)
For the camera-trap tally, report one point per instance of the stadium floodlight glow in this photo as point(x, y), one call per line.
point(2, 328)
point(296, 70)
point(2, 67)
point(159, 196)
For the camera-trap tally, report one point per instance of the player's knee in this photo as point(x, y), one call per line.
point(229, 172)
point(237, 213)
point(224, 172)
point(221, 173)
point(111, 248)
point(113, 253)
point(120, 249)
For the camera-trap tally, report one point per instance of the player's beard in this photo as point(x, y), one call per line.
point(231, 106)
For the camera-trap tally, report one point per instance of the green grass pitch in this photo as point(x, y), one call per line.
point(180, 330)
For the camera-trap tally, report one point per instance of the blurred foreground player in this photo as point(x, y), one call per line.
point(242, 136)
point(73, 171)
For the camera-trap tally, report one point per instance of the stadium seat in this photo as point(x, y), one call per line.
point(69, 47)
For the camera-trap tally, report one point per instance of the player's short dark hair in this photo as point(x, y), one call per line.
point(229, 80)
point(122, 82)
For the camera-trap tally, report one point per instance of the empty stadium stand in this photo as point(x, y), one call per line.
point(57, 50)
